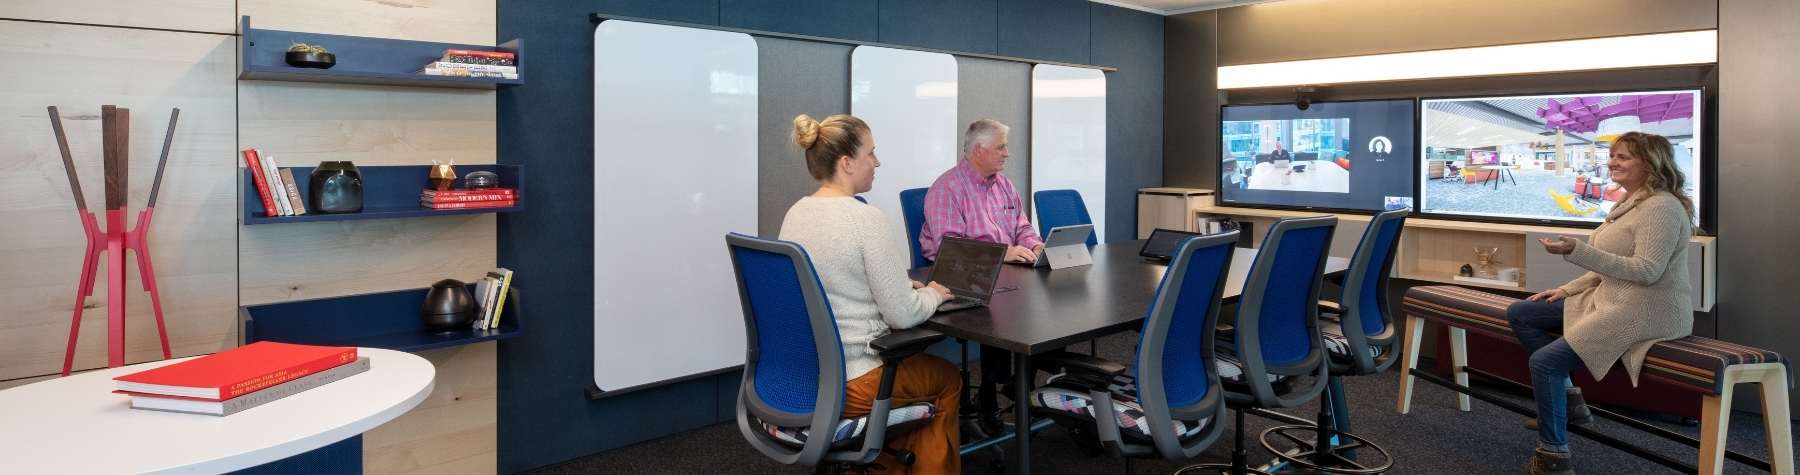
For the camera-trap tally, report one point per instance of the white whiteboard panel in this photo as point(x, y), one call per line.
point(674, 170)
point(909, 100)
point(1068, 136)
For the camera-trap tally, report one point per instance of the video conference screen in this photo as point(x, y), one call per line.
point(1334, 155)
point(1544, 158)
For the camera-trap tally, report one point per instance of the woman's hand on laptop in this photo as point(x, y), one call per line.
point(941, 290)
point(1020, 254)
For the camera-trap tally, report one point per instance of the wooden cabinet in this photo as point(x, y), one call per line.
point(1169, 208)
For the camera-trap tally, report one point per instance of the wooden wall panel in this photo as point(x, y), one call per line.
point(79, 68)
point(449, 21)
point(215, 16)
point(301, 124)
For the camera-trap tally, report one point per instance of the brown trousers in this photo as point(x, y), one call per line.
point(926, 378)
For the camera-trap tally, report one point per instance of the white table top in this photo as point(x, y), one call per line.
point(78, 425)
point(1320, 175)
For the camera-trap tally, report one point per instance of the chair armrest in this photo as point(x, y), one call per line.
point(1087, 370)
point(899, 344)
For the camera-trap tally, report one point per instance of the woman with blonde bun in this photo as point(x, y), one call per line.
point(866, 283)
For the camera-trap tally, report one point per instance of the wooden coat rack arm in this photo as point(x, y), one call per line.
point(62, 144)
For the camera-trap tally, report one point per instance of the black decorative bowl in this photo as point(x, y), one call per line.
point(302, 59)
point(448, 307)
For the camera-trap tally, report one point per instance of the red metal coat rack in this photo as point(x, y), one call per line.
point(116, 142)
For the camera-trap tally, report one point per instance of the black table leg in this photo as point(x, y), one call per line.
point(1022, 379)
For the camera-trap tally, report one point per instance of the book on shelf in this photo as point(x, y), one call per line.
point(467, 73)
point(293, 192)
point(238, 404)
point(484, 301)
point(277, 189)
point(262, 183)
point(474, 67)
point(468, 56)
point(430, 192)
point(470, 204)
point(237, 371)
point(430, 197)
point(506, 276)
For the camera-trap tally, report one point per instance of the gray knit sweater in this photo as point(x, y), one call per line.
point(1636, 291)
point(865, 280)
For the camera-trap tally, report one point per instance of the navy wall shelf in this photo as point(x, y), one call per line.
point(360, 59)
point(388, 320)
point(388, 192)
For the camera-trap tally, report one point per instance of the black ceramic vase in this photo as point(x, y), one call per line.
point(448, 307)
point(336, 188)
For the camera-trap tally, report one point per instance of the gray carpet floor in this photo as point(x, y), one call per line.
point(1435, 438)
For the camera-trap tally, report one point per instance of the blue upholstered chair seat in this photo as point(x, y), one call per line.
point(1339, 345)
point(1067, 400)
point(850, 431)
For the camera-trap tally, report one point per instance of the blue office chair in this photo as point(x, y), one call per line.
point(1275, 339)
point(793, 384)
point(1360, 322)
point(912, 210)
point(1173, 405)
point(1057, 208)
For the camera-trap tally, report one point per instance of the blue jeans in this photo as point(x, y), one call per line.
point(1551, 362)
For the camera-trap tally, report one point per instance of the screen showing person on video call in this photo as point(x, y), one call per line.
point(1333, 155)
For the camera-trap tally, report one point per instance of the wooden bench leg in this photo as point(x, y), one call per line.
point(1775, 420)
point(1715, 421)
point(1459, 357)
point(1409, 354)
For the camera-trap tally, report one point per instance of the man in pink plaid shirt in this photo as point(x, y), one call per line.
point(973, 200)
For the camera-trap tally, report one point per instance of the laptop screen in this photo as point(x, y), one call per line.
point(1163, 243)
point(967, 267)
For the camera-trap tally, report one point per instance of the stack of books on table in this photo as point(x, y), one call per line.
point(230, 381)
point(474, 63)
point(465, 199)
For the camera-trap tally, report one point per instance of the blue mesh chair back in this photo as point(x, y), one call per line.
point(1282, 289)
point(1365, 290)
point(912, 209)
point(794, 362)
point(1175, 352)
point(1056, 208)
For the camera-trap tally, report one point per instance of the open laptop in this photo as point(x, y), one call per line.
point(1163, 243)
point(1065, 244)
point(969, 268)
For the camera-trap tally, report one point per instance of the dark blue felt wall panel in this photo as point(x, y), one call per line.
point(956, 25)
point(1056, 30)
point(1134, 110)
point(544, 415)
point(848, 19)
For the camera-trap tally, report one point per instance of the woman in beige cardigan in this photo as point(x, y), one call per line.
point(1635, 293)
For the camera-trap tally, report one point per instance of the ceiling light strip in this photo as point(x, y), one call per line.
point(1662, 49)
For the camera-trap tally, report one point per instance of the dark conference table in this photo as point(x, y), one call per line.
point(1038, 311)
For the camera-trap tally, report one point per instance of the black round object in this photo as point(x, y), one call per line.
point(336, 188)
point(303, 59)
point(448, 307)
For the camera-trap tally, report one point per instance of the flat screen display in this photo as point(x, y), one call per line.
point(1544, 158)
point(1335, 155)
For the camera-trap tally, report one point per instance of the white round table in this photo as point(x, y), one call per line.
point(78, 425)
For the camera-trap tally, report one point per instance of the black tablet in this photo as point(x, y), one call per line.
point(1163, 243)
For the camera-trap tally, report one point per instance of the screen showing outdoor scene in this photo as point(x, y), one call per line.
point(1336, 155)
point(1545, 157)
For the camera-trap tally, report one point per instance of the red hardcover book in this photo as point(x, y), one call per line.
point(471, 204)
point(478, 53)
point(262, 182)
point(440, 199)
point(484, 191)
point(236, 372)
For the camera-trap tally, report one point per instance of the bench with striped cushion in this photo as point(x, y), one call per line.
point(1695, 361)
point(1709, 366)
